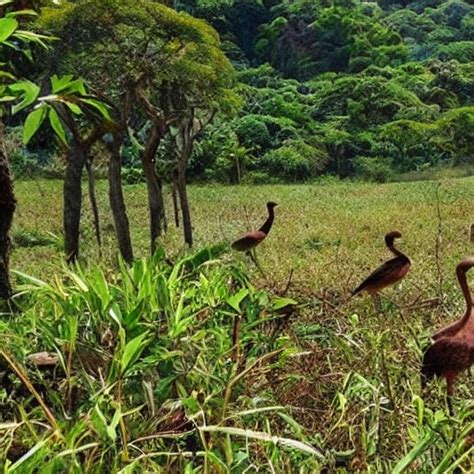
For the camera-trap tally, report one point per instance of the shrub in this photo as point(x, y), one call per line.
point(253, 134)
point(378, 169)
point(24, 163)
point(462, 51)
point(295, 161)
point(148, 354)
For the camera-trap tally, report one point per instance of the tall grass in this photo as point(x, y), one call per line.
point(334, 375)
point(141, 373)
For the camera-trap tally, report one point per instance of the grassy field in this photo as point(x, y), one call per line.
point(354, 383)
point(329, 234)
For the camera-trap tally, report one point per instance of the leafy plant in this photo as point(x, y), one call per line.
point(146, 357)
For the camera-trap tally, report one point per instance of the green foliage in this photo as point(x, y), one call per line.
point(357, 369)
point(219, 156)
point(462, 51)
point(145, 356)
point(162, 52)
point(357, 76)
point(373, 168)
point(294, 161)
point(253, 133)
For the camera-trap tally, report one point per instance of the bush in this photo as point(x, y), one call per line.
point(24, 163)
point(376, 169)
point(253, 134)
point(295, 161)
point(149, 351)
point(462, 51)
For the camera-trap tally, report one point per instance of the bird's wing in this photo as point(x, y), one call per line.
point(388, 273)
point(249, 240)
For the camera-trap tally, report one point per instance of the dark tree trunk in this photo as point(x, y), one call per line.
point(184, 203)
point(117, 202)
point(94, 206)
point(174, 195)
point(73, 200)
point(154, 186)
point(7, 210)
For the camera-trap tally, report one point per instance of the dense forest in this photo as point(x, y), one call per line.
point(348, 88)
point(200, 271)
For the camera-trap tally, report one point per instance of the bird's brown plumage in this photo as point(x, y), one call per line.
point(453, 349)
point(251, 239)
point(388, 273)
point(466, 322)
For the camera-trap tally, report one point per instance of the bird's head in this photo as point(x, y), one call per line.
point(391, 236)
point(271, 205)
point(395, 234)
point(465, 265)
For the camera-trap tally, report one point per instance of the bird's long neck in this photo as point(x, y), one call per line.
point(390, 242)
point(462, 278)
point(454, 328)
point(267, 225)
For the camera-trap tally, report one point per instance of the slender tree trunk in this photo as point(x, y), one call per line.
point(174, 195)
point(94, 206)
point(154, 186)
point(117, 202)
point(7, 210)
point(184, 203)
point(73, 200)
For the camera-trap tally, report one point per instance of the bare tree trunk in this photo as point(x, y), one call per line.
point(184, 203)
point(174, 195)
point(154, 186)
point(7, 210)
point(73, 200)
point(94, 206)
point(117, 202)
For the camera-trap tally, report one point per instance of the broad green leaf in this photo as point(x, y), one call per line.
point(7, 28)
point(27, 91)
point(59, 83)
point(7, 98)
point(20, 13)
point(102, 108)
point(80, 283)
point(280, 303)
point(57, 125)
point(33, 123)
point(74, 108)
point(28, 36)
point(133, 350)
point(7, 74)
point(99, 422)
point(112, 428)
point(236, 299)
point(422, 445)
point(75, 87)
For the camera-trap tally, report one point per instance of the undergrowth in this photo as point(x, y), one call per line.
point(147, 369)
point(187, 367)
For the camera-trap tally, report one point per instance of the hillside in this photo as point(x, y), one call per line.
point(348, 88)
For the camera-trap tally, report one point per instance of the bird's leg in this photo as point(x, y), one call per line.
point(450, 376)
point(252, 254)
point(377, 303)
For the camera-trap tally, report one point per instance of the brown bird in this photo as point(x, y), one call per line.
point(453, 349)
point(390, 272)
point(250, 240)
point(253, 238)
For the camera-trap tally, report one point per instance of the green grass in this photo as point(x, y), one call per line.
point(330, 234)
point(352, 384)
